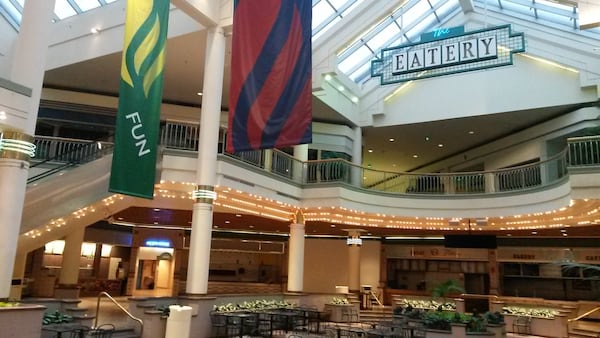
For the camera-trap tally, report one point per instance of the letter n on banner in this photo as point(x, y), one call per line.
point(270, 104)
point(140, 96)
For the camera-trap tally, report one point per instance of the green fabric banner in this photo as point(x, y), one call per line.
point(140, 95)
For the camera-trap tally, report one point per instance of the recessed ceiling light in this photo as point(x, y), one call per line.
point(440, 145)
point(199, 93)
point(416, 156)
point(155, 222)
point(354, 99)
point(534, 232)
point(370, 150)
point(471, 132)
point(427, 138)
point(251, 226)
point(238, 215)
point(156, 209)
point(563, 230)
point(215, 226)
point(95, 30)
point(227, 222)
point(327, 77)
point(565, 234)
point(341, 88)
point(120, 218)
point(394, 165)
point(2, 115)
point(333, 225)
point(392, 139)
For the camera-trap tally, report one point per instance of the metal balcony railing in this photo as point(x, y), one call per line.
point(580, 152)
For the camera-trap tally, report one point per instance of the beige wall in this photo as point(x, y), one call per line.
point(326, 264)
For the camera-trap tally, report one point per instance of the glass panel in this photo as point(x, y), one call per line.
point(62, 9)
point(326, 28)
point(321, 12)
point(357, 57)
point(556, 18)
point(86, 5)
point(109, 1)
point(446, 8)
point(12, 11)
point(382, 37)
point(422, 27)
point(361, 73)
point(337, 3)
point(555, 5)
point(21, 2)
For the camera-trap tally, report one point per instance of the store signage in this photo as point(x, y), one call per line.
point(157, 243)
point(448, 51)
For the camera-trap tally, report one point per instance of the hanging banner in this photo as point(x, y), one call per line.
point(270, 103)
point(140, 96)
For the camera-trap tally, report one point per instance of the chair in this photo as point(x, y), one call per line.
point(102, 331)
point(218, 325)
point(78, 332)
point(522, 324)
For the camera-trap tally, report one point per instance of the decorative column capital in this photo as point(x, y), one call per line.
point(16, 145)
point(204, 194)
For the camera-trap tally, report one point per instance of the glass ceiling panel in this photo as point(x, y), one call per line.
point(63, 9)
point(86, 5)
point(560, 15)
point(327, 12)
point(13, 9)
point(406, 24)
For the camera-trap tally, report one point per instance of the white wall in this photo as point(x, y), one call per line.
point(526, 85)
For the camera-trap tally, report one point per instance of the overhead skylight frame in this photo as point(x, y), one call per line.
point(353, 61)
point(338, 8)
point(12, 10)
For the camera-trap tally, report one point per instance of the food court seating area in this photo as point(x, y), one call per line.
point(304, 322)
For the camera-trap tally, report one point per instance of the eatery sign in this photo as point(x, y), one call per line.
point(448, 51)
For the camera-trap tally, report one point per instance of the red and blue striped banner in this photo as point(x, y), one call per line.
point(270, 104)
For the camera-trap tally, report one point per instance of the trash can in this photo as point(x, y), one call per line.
point(179, 321)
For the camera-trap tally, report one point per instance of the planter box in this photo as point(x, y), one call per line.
point(547, 327)
point(22, 321)
point(335, 311)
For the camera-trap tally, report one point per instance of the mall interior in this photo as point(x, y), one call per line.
point(484, 171)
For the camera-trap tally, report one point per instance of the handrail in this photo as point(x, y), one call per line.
point(583, 315)
point(141, 322)
point(376, 298)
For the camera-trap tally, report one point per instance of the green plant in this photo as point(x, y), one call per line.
point(398, 310)
point(476, 324)
point(9, 304)
point(339, 300)
point(56, 317)
point(261, 304)
point(444, 289)
point(493, 317)
point(438, 320)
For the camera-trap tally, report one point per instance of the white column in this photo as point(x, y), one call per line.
point(29, 59)
point(18, 274)
point(357, 157)
point(268, 153)
point(354, 244)
point(69, 272)
point(199, 256)
point(27, 69)
point(296, 255)
point(301, 156)
point(354, 268)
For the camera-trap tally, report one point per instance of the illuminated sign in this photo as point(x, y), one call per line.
point(157, 243)
point(448, 51)
point(354, 241)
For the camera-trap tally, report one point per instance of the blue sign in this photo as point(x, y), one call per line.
point(157, 243)
point(448, 51)
point(442, 33)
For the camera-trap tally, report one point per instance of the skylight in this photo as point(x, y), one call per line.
point(404, 25)
point(327, 12)
point(13, 9)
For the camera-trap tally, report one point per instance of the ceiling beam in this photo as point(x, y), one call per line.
point(467, 6)
point(589, 14)
point(206, 12)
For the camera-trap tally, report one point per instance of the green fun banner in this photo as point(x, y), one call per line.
point(140, 95)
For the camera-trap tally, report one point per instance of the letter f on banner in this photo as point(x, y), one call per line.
point(140, 95)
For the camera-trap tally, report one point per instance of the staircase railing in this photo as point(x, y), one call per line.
point(62, 153)
point(374, 296)
point(581, 316)
point(105, 294)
